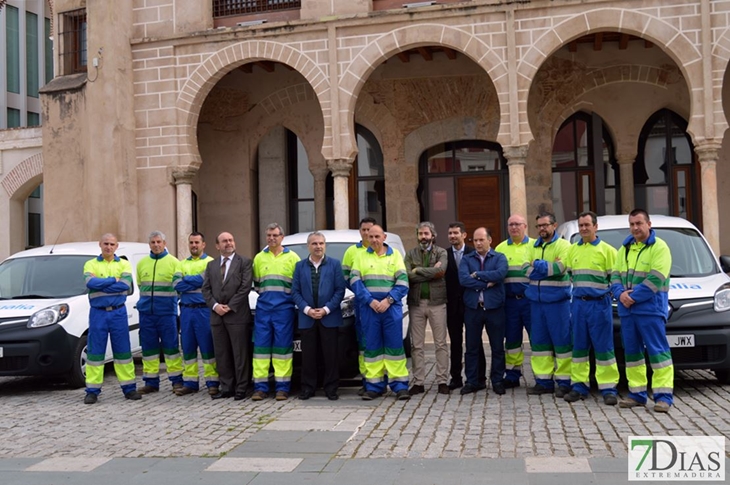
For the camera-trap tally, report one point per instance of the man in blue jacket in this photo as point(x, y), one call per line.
point(318, 287)
point(482, 273)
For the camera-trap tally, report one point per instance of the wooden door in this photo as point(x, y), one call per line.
point(479, 204)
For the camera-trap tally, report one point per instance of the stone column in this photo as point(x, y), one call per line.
point(341, 168)
point(626, 173)
point(516, 158)
point(183, 177)
point(708, 154)
point(320, 197)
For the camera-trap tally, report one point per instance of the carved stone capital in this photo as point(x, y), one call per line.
point(320, 173)
point(184, 175)
point(515, 155)
point(708, 151)
point(340, 167)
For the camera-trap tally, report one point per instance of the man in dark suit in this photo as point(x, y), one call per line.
point(317, 289)
point(226, 286)
point(455, 305)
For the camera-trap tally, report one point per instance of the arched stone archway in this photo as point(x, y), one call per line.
point(204, 78)
point(359, 69)
point(18, 184)
point(672, 41)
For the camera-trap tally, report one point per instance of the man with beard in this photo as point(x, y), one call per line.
point(426, 266)
point(549, 295)
point(455, 305)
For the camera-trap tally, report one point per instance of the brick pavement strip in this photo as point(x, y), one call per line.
point(42, 419)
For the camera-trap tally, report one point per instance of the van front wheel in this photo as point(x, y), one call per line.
point(77, 376)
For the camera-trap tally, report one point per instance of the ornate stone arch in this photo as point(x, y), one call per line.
point(672, 41)
point(26, 173)
point(356, 73)
point(201, 81)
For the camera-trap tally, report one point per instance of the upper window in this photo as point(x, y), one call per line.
point(664, 174)
point(584, 168)
point(73, 41)
point(368, 188)
point(12, 39)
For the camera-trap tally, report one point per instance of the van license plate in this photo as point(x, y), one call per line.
point(681, 340)
point(297, 346)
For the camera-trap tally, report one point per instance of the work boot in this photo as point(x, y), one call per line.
point(133, 396)
point(259, 396)
point(573, 396)
point(370, 395)
point(562, 391)
point(402, 395)
point(610, 399)
point(661, 407)
point(148, 389)
point(538, 389)
point(90, 398)
point(630, 403)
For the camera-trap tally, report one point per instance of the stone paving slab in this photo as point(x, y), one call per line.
point(41, 419)
point(255, 465)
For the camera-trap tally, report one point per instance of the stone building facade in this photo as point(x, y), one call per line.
point(198, 115)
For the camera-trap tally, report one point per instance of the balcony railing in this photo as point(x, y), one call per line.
point(224, 8)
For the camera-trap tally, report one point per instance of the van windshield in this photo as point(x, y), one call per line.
point(42, 277)
point(691, 257)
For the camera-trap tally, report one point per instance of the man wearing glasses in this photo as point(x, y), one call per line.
point(273, 328)
point(518, 250)
point(549, 295)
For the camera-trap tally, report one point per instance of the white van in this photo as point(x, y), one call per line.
point(44, 310)
point(698, 329)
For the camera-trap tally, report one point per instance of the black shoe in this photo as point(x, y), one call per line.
point(304, 395)
point(133, 396)
point(370, 395)
point(510, 384)
point(402, 395)
point(468, 388)
point(361, 391)
point(498, 388)
point(90, 398)
point(332, 396)
point(454, 384)
point(610, 399)
point(539, 389)
point(416, 389)
point(444, 389)
point(562, 391)
point(222, 395)
point(572, 396)
point(239, 396)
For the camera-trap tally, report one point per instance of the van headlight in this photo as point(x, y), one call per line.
point(722, 298)
point(348, 307)
point(48, 316)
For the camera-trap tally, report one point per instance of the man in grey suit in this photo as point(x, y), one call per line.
point(227, 283)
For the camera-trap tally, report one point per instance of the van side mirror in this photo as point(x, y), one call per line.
point(725, 263)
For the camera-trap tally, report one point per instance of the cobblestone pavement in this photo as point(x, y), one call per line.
point(42, 419)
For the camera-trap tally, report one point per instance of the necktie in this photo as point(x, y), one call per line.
point(457, 257)
point(223, 268)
